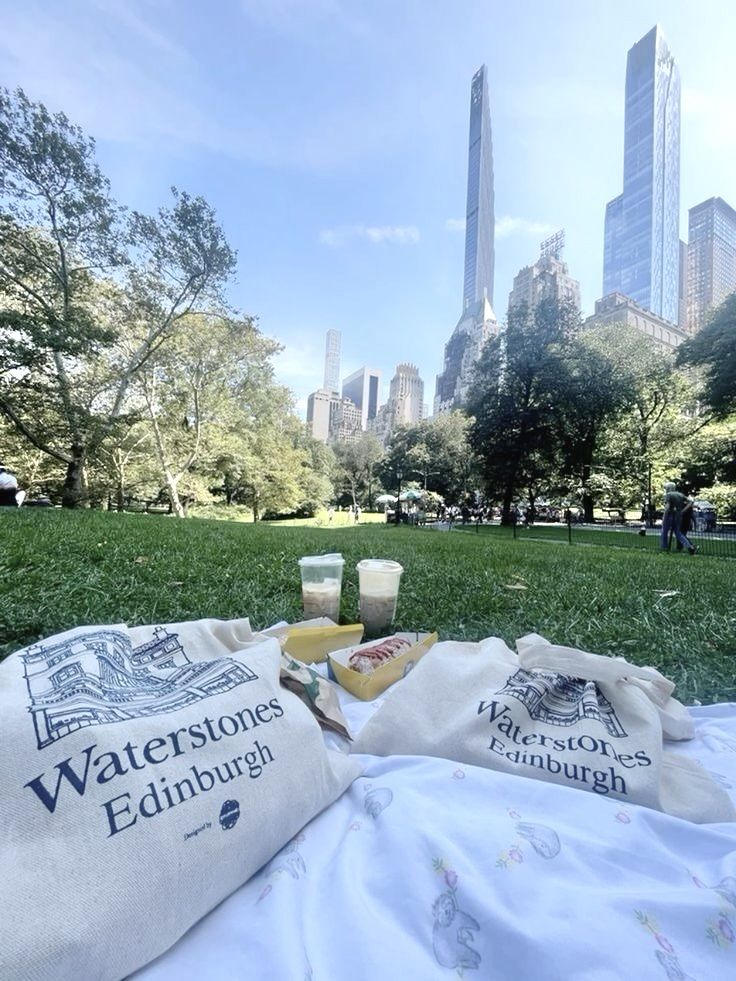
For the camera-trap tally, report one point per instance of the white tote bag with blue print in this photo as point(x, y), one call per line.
point(549, 713)
point(145, 774)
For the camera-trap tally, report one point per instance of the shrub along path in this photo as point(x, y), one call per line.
point(61, 569)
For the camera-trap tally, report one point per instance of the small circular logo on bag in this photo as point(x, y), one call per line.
point(229, 814)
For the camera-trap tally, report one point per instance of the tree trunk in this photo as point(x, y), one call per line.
point(172, 487)
point(508, 497)
point(72, 495)
point(587, 499)
point(120, 489)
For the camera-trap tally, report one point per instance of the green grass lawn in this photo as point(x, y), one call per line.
point(60, 569)
point(722, 546)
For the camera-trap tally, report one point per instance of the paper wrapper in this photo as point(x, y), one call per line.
point(316, 692)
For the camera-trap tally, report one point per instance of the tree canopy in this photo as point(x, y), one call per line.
point(713, 349)
point(87, 292)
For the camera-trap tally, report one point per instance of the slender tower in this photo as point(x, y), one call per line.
point(477, 321)
point(479, 217)
point(332, 361)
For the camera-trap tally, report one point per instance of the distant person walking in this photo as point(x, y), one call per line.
point(675, 505)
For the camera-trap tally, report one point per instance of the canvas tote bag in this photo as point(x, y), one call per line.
point(550, 713)
point(145, 774)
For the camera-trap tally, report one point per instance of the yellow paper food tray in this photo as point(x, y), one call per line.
point(369, 686)
point(310, 644)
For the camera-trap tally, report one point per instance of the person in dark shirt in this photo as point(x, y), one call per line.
point(675, 505)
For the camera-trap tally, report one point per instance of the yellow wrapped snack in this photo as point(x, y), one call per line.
point(311, 644)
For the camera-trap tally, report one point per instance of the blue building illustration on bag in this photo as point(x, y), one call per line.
point(560, 700)
point(98, 677)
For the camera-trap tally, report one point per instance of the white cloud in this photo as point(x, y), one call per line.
point(507, 225)
point(455, 224)
point(376, 234)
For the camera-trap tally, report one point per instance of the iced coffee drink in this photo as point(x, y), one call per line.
point(377, 612)
point(321, 585)
point(321, 599)
point(379, 590)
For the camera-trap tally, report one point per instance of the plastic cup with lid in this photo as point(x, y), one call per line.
point(321, 585)
point(379, 592)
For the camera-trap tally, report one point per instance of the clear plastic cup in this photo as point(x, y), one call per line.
point(321, 585)
point(379, 592)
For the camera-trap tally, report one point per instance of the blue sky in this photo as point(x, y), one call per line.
point(331, 136)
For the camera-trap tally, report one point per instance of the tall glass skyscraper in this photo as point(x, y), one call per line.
point(477, 320)
point(642, 242)
point(479, 216)
point(332, 361)
point(711, 259)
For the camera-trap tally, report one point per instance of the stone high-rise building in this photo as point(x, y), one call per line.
point(405, 405)
point(641, 239)
point(547, 279)
point(711, 259)
point(619, 309)
point(318, 414)
point(345, 421)
point(476, 326)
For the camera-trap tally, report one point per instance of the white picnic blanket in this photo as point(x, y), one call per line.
point(429, 869)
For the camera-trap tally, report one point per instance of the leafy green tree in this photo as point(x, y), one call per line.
point(87, 294)
point(707, 457)
point(125, 466)
point(356, 464)
point(517, 399)
point(196, 391)
point(599, 385)
point(637, 445)
point(436, 453)
point(714, 349)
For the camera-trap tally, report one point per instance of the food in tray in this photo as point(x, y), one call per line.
point(367, 659)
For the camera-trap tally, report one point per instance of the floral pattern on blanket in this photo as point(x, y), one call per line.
point(721, 930)
point(453, 930)
point(665, 952)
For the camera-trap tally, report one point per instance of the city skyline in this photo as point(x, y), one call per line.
point(345, 201)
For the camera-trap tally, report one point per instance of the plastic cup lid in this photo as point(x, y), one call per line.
point(379, 565)
point(334, 558)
